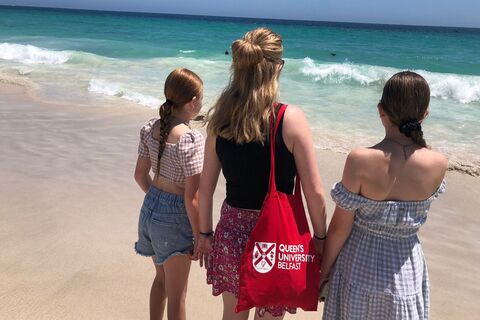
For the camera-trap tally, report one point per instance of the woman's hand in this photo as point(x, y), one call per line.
point(194, 252)
point(203, 250)
point(322, 287)
point(142, 173)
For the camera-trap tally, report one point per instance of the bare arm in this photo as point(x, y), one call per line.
point(208, 183)
point(338, 232)
point(342, 221)
point(191, 201)
point(142, 173)
point(298, 136)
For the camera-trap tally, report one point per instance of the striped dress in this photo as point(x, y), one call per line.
point(380, 272)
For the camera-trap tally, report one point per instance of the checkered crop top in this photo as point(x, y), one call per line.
point(179, 160)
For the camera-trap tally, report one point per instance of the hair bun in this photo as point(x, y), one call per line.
point(246, 53)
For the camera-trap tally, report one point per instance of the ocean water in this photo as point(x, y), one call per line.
point(335, 72)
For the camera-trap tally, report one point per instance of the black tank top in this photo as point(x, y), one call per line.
point(246, 168)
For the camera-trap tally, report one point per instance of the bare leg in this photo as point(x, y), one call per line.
point(268, 316)
point(157, 294)
point(229, 303)
point(177, 269)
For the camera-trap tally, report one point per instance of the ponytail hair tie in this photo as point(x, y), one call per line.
point(170, 102)
point(409, 126)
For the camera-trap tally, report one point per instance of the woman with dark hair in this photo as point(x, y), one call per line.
point(373, 258)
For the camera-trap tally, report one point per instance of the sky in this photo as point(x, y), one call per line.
point(457, 13)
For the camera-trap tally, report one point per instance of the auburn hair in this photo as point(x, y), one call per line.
point(180, 87)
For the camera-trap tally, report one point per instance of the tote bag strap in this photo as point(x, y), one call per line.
point(272, 186)
point(298, 189)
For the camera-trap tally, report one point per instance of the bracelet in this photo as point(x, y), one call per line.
point(319, 238)
point(206, 234)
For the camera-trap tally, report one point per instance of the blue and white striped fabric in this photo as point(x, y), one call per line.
point(381, 271)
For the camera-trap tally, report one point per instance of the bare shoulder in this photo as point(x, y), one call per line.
point(296, 130)
point(177, 132)
point(364, 156)
point(294, 121)
point(356, 161)
point(364, 162)
point(181, 129)
point(432, 161)
point(293, 113)
point(438, 159)
point(356, 168)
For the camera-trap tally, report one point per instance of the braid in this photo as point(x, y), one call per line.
point(413, 130)
point(165, 113)
point(417, 137)
point(181, 86)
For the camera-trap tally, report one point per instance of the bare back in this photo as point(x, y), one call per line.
point(391, 172)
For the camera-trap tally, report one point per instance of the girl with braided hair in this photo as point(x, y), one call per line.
point(168, 222)
point(372, 254)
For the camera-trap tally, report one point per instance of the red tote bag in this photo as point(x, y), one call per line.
point(279, 266)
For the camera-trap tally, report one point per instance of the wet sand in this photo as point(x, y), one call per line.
point(69, 212)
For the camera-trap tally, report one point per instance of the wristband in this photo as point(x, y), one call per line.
point(319, 238)
point(206, 234)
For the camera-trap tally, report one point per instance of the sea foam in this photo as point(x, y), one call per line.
point(29, 54)
point(465, 89)
point(461, 88)
point(117, 90)
point(345, 72)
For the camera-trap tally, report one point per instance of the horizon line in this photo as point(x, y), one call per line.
point(245, 19)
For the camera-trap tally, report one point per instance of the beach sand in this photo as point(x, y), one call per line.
point(69, 210)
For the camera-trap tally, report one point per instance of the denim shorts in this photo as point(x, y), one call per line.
point(163, 229)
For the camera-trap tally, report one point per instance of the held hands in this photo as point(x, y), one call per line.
point(203, 249)
point(193, 251)
point(323, 287)
point(319, 243)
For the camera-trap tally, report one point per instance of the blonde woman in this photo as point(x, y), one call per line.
point(169, 215)
point(237, 144)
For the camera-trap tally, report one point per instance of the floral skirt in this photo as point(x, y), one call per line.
point(231, 236)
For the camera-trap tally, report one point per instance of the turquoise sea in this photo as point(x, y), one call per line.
point(334, 71)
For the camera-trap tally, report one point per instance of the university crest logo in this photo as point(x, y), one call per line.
point(264, 256)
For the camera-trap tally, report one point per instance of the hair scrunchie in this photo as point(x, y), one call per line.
point(169, 102)
point(408, 126)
